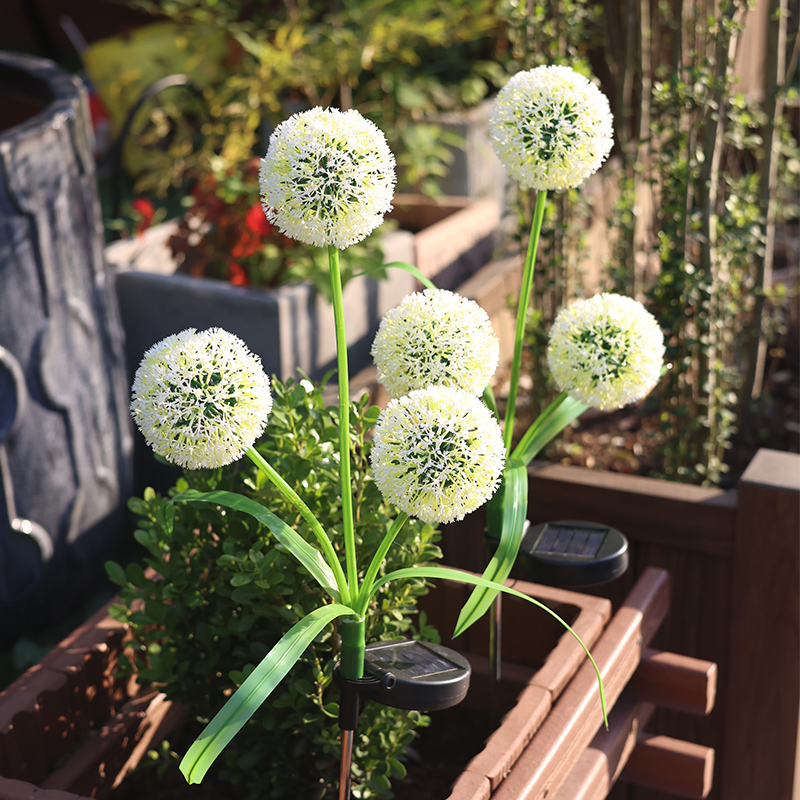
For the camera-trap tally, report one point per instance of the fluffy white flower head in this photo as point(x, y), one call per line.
point(437, 454)
point(551, 127)
point(435, 338)
point(606, 351)
point(201, 399)
point(327, 178)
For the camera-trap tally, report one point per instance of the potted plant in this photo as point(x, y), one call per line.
point(262, 281)
point(437, 453)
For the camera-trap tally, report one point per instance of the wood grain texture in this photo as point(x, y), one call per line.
point(677, 682)
point(763, 691)
point(576, 716)
point(600, 765)
point(684, 769)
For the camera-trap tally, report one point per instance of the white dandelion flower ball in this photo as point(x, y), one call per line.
point(327, 178)
point(435, 338)
point(551, 127)
point(437, 454)
point(201, 399)
point(606, 351)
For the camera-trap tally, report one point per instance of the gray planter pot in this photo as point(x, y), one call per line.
point(291, 328)
point(65, 440)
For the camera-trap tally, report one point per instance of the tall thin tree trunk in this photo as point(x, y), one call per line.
point(774, 79)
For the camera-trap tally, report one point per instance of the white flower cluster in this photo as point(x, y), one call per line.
point(551, 128)
point(435, 338)
point(606, 351)
point(327, 178)
point(201, 399)
point(437, 454)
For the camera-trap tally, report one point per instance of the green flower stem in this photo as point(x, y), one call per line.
point(538, 424)
point(522, 309)
point(308, 516)
point(353, 630)
point(344, 421)
point(362, 601)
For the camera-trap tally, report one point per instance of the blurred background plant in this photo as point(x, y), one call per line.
point(224, 594)
point(705, 168)
point(398, 62)
point(224, 234)
point(702, 183)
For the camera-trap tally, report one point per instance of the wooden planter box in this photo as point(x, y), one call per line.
point(67, 726)
point(69, 731)
point(734, 562)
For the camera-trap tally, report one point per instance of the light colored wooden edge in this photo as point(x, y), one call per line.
point(681, 768)
point(444, 241)
point(576, 717)
point(518, 727)
point(142, 722)
point(676, 682)
point(469, 786)
point(600, 765)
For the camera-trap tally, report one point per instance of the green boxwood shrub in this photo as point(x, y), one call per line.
point(225, 592)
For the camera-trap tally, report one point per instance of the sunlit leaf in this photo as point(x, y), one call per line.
point(511, 523)
point(255, 690)
point(307, 555)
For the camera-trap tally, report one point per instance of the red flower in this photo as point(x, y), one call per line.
point(237, 275)
point(144, 208)
point(145, 211)
point(256, 221)
point(246, 245)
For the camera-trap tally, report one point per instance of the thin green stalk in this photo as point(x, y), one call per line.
point(522, 309)
point(308, 516)
point(538, 424)
point(362, 600)
point(344, 421)
point(353, 631)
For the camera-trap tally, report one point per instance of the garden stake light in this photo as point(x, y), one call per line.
point(438, 451)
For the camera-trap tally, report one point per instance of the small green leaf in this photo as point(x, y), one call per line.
point(307, 555)
point(398, 768)
point(134, 574)
point(255, 690)
point(115, 572)
point(512, 523)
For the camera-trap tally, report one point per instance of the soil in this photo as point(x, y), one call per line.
point(434, 761)
point(628, 440)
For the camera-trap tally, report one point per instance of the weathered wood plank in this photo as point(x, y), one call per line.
point(763, 692)
point(576, 717)
point(679, 768)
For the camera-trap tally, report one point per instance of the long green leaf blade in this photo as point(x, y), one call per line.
point(512, 523)
point(255, 690)
point(547, 426)
point(410, 268)
point(447, 573)
point(304, 552)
